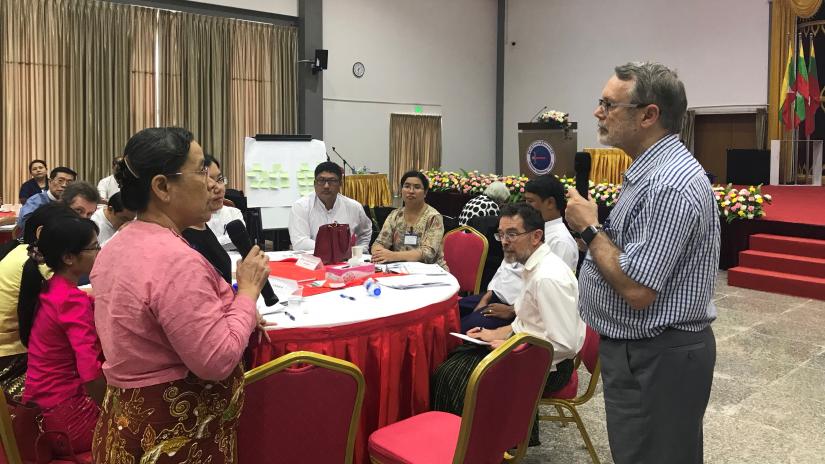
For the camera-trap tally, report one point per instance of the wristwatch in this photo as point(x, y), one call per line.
point(589, 233)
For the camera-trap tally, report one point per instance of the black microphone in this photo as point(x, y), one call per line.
point(538, 113)
point(581, 165)
point(240, 238)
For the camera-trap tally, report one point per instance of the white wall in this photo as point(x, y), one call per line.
point(566, 50)
point(434, 53)
point(284, 7)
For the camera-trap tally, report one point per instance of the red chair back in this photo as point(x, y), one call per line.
point(501, 399)
point(305, 413)
point(465, 250)
point(589, 353)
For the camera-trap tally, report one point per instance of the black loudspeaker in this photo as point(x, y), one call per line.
point(749, 167)
point(321, 58)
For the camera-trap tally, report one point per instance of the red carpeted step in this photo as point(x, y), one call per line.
point(780, 262)
point(777, 282)
point(809, 247)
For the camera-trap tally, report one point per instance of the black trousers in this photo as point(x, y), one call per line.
point(655, 394)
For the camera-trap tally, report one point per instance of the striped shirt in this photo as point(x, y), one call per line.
point(666, 225)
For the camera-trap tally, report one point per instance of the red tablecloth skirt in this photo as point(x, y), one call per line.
point(5, 236)
point(396, 354)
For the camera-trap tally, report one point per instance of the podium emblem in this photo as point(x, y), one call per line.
point(540, 157)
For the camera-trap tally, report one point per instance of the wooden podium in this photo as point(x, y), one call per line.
point(546, 148)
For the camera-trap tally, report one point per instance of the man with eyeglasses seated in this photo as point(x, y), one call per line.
point(59, 178)
point(326, 206)
point(221, 214)
point(546, 307)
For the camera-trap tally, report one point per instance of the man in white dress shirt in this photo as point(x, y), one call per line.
point(110, 218)
point(326, 206)
point(546, 194)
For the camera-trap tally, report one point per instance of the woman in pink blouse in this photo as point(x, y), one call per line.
point(57, 326)
point(172, 329)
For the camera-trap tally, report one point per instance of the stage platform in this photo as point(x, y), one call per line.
point(784, 252)
point(797, 211)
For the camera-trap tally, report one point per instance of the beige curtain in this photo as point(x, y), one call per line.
point(144, 26)
point(78, 79)
point(415, 144)
point(226, 79)
point(263, 89)
point(65, 86)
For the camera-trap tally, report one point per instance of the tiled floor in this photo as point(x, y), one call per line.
point(768, 399)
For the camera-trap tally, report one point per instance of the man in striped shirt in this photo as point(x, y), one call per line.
point(647, 281)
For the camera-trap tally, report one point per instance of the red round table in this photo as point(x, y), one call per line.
point(397, 354)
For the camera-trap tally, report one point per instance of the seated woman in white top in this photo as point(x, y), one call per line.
point(326, 206)
point(224, 214)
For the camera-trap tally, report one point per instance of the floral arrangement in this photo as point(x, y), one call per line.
point(554, 117)
point(744, 203)
point(474, 183)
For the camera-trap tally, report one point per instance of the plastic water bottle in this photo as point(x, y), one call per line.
point(373, 288)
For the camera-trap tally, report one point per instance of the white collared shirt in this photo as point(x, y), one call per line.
point(217, 224)
point(107, 187)
point(507, 282)
point(106, 229)
point(561, 243)
point(548, 306)
point(309, 213)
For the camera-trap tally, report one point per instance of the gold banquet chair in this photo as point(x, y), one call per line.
point(487, 427)
point(11, 454)
point(301, 407)
point(567, 398)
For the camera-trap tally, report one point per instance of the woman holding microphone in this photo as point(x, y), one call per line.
point(172, 330)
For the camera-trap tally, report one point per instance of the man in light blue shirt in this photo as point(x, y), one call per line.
point(647, 281)
point(59, 178)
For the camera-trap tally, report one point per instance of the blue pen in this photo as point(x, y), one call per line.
point(289, 315)
point(346, 296)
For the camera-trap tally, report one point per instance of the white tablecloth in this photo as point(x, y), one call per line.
point(330, 309)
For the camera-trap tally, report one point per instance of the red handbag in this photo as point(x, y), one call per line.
point(333, 243)
point(35, 444)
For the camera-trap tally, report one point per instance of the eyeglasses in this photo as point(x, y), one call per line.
point(412, 187)
point(320, 181)
point(204, 171)
point(95, 247)
point(510, 236)
point(606, 105)
point(62, 182)
point(221, 180)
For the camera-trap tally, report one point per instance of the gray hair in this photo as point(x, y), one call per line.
point(80, 189)
point(497, 192)
point(658, 85)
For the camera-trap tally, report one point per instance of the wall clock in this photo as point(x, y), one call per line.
point(358, 69)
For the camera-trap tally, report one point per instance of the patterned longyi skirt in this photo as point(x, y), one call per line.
point(190, 421)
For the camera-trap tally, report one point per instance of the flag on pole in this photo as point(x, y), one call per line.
point(788, 97)
point(813, 93)
point(801, 85)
